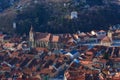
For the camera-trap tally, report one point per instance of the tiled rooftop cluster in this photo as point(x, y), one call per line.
point(101, 37)
point(19, 62)
point(79, 59)
point(97, 63)
point(80, 62)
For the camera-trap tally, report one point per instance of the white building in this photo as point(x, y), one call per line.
point(74, 14)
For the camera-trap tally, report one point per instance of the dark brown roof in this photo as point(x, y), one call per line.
point(42, 36)
point(47, 37)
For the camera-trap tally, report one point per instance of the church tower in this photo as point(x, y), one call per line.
point(31, 37)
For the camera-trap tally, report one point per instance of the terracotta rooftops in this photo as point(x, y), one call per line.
point(42, 36)
point(47, 37)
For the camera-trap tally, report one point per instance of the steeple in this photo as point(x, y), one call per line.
point(31, 34)
point(31, 29)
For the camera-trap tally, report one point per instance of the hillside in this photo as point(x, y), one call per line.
point(55, 15)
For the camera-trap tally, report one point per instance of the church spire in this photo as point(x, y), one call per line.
point(31, 29)
point(31, 34)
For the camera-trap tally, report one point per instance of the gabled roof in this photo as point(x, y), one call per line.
point(82, 34)
point(117, 31)
point(75, 36)
point(47, 37)
point(42, 36)
point(71, 40)
point(101, 31)
point(106, 39)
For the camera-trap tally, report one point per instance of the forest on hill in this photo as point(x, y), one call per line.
point(54, 16)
